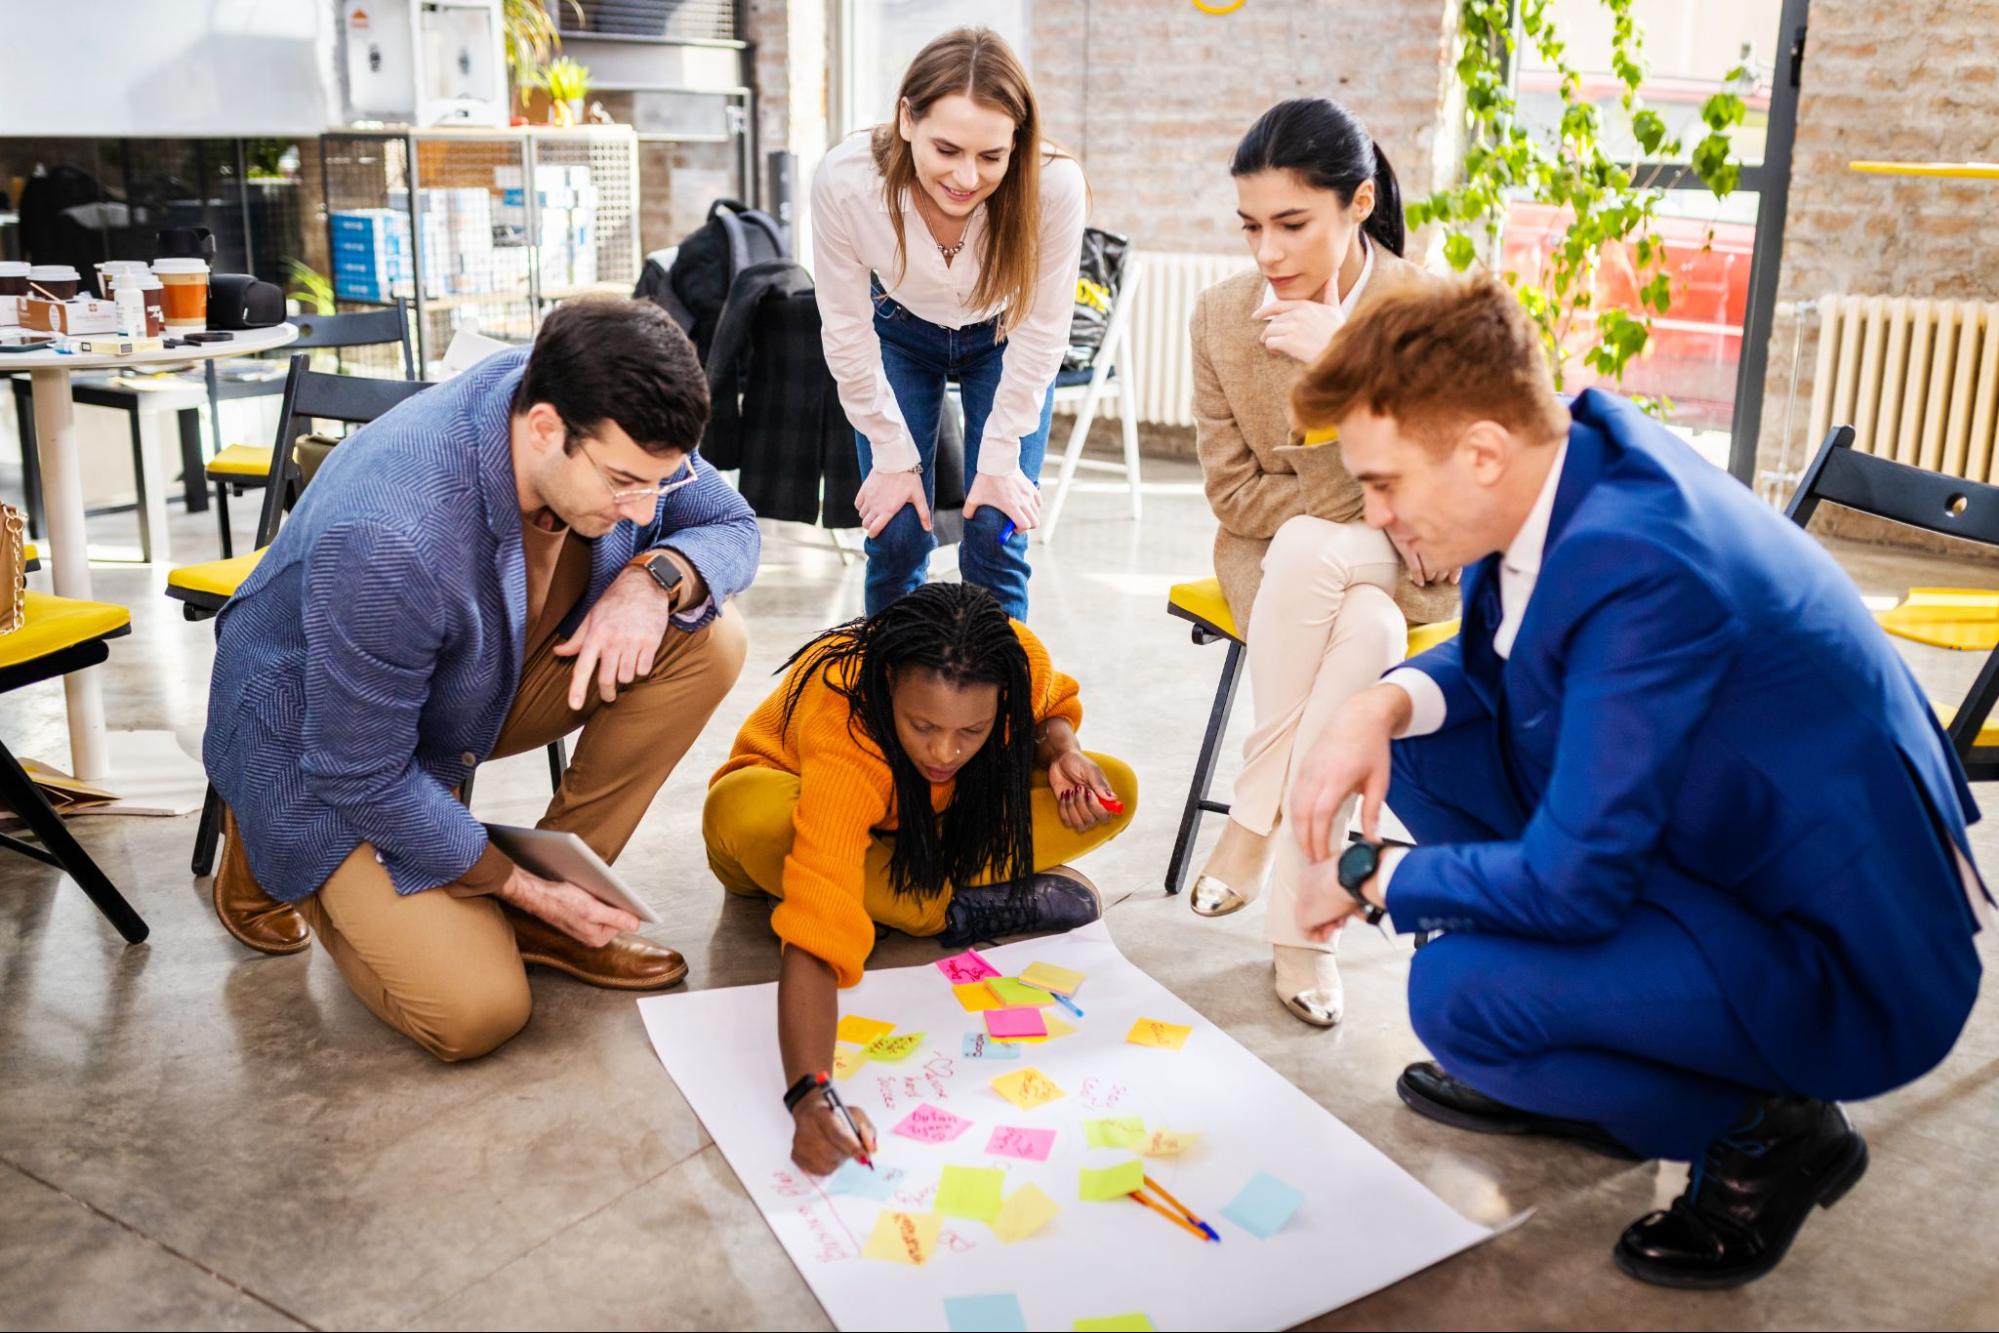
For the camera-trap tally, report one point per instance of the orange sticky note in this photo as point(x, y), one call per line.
point(861, 1031)
point(975, 996)
point(1153, 1032)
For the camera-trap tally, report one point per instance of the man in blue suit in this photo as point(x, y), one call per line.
point(530, 549)
point(1695, 841)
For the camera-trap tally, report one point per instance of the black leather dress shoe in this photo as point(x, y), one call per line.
point(1747, 1199)
point(1428, 1091)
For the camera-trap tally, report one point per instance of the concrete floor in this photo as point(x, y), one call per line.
point(195, 1135)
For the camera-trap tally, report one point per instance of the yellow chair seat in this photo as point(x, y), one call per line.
point(29, 555)
point(242, 462)
point(1946, 714)
point(217, 578)
point(1202, 602)
point(1422, 638)
point(1966, 619)
point(56, 623)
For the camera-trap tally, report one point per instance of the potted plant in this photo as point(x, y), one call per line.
point(566, 82)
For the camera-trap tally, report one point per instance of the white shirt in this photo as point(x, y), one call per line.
point(853, 237)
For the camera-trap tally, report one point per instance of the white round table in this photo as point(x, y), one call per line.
point(62, 498)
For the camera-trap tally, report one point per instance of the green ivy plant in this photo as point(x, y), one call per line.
point(1605, 207)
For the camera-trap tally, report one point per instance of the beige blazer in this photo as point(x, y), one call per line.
point(1250, 455)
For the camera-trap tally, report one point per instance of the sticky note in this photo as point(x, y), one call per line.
point(997, 1313)
point(971, 1192)
point(979, 1046)
point(1113, 1182)
point(861, 1031)
point(1264, 1206)
point(1116, 1323)
point(1152, 1032)
point(1026, 1211)
point(853, 1178)
point(894, 1049)
point(976, 995)
point(1057, 1027)
point(1166, 1142)
point(931, 1124)
point(1013, 991)
point(1062, 980)
point(1015, 1023)
point(903, 1238)
point(966, 967)
point(1028, 1088)
point(848, 1062)
point(1018, 1141)
point(1115, 1132)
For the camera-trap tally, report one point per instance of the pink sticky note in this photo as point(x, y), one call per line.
point(966, 966)
point(1014, 1141)
point(1022, 1022)
point(931, 1124)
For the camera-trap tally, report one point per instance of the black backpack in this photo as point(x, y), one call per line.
point(1099, 278)
point(694, 290)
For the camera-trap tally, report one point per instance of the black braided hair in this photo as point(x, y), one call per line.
point(958, 631)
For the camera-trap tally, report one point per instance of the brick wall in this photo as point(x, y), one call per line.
point(1152, 96)
point(1908, 81)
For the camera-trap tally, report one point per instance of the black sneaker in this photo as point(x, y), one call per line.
point(1058, 900)
point(1427, 1090)
point(1747, 1199)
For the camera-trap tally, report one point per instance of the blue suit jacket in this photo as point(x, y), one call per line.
point(368, 663)
point(1699, 713)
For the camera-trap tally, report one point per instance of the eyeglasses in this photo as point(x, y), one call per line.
point(655, 491)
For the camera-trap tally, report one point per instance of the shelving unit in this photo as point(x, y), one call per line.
point(480, 228)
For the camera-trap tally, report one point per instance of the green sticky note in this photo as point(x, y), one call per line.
point(1116, 1323)
point(895, 1047)
point(1113, 1182)
point(1012, 992)
point(1126, 1131)
point(970, 1192)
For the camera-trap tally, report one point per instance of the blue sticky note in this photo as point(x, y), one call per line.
point(1264, 1206)
point(984, 1314)
point(979, 1046)
point(853, 1178)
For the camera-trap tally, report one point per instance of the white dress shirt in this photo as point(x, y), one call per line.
point(854, 236)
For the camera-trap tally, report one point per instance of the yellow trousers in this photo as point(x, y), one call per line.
point(747, 826)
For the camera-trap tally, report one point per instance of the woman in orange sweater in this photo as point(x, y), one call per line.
point(937, 702)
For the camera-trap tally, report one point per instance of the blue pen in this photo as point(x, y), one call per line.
point(1007, 529)
point(1066, 1003)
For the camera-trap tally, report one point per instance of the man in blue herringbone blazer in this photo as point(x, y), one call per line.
point(1693, 835)
point(528, 549)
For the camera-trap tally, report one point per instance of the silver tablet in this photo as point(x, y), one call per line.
point(564, 856)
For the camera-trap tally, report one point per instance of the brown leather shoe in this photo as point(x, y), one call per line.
point(629, 962)
point(245, 910)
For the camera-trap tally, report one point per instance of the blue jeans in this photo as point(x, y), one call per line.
point(1630, 1032)
point(919, 358)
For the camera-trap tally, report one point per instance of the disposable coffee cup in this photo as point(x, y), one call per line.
point(111, 270)
point(153, 291)
point(58, 281)
point(13, 286)
point(184, 284)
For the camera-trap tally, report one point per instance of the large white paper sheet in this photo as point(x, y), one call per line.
point(1364, 1224)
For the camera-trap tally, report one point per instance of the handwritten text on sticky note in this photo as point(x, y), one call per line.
point(965, 967)
point(1153, 1032)
point(903, 1238)
point(895, 1048)
point(1115, 1132)
point(931, 1124)
point(1018, 1141)
point(979, 1046)
point(1027, 1088)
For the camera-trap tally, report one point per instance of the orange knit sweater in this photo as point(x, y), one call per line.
point(845, 792)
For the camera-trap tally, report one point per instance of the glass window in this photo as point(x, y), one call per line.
point(883, 36)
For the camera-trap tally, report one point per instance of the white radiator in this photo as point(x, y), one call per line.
point(1160, 360)
point(1917, 379)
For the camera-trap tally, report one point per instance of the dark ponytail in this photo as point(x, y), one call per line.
point(1328, 148)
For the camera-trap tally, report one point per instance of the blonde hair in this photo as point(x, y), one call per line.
point(978, 63)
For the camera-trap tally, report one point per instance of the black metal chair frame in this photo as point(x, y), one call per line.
point(20, 794)
point(1915, 496)
point(1198, 802)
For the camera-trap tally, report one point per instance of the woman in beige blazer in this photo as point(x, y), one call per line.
point(1324, 599)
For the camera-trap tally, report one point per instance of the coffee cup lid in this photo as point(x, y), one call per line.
point(54, 273)
point(14, 268)
point(145, 282)
point(180, 266)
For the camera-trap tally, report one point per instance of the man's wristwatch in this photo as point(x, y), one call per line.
point(665, 572)
point(1357, 866)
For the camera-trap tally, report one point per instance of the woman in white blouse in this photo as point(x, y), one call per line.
point(945, 247)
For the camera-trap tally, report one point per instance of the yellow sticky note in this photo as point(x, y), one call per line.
point(1012, 992)
point(1152, 1032)
point(1028, 1088)
point(976, 996)
point(903, 1238)
point(1114, 1132)
point(1026, 1211)
point(1116, 1323)
point(1050, 977)
point(970, 1191)
point(861, 1031)
point(1113, 1182)
point(894, 1049)
point(1056, 1027)
point(846, 1063)
point(1167, 1142)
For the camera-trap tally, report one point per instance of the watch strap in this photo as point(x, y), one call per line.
point(804, 1088)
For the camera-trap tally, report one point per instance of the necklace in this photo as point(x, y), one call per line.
point(950, 251)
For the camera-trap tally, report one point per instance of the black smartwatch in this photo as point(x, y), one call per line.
point(1357, 866)
point(802, 1089)
point(667, 575)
